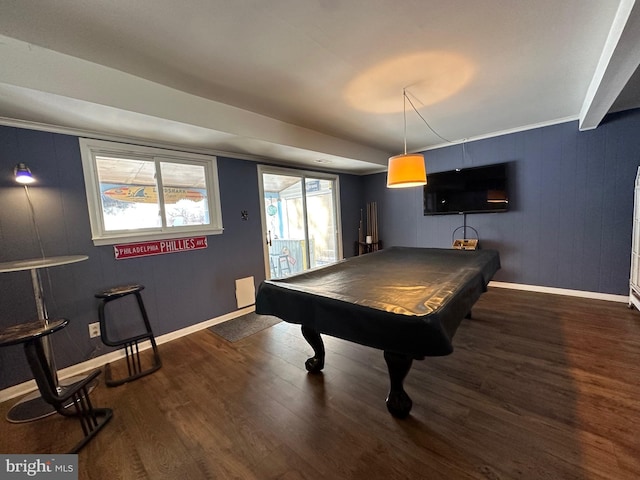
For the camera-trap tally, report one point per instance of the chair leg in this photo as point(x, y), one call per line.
point(91, 419)
point(134, 363)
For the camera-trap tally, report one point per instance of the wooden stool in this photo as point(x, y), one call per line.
point(130, 345)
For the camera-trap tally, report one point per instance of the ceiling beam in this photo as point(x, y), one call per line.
point(619, 60)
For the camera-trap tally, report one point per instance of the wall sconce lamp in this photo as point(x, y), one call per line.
point(407, 169)
point(23, 174)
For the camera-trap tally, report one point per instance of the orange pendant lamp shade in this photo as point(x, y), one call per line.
point(406, 170)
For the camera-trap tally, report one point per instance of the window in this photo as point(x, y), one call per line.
point(140, 193)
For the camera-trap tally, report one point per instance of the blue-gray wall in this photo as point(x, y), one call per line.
point(182, 289)
point(569, 227)
point(571, 204)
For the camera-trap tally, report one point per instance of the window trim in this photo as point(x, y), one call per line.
point(90, 148)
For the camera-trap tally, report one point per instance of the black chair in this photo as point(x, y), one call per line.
point(130, 344)
point(72, 400)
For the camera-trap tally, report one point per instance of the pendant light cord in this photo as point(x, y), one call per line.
point(406, 97)
point(404, 111)
point(464, 140)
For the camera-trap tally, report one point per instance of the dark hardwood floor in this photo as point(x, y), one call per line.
point(539, 387)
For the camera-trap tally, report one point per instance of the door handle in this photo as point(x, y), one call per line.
point(269, 237)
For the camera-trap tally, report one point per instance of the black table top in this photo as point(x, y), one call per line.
point(24, 332)
point(401, 299)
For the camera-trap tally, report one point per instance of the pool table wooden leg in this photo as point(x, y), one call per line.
point(398, 402)
point(315, 363)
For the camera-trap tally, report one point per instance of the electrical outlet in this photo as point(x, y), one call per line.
point(94, 330)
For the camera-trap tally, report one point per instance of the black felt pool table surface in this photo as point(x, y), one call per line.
point(402, 299)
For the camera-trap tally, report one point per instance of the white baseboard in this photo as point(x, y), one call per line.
point(97, 362)
point(562, 291)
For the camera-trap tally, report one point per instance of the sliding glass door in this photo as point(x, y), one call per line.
point(300, 220)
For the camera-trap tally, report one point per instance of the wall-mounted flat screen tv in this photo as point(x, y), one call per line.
point(467, 190)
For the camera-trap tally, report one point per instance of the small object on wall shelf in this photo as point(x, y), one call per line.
point(466, 244)
point(365, 247)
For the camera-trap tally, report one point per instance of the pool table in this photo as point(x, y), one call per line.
point(405, 301)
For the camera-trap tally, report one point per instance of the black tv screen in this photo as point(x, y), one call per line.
point(468, 190)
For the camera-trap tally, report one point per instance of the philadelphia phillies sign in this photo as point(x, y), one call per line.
point(158, 247)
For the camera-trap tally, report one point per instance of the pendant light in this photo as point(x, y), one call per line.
point(407, 169)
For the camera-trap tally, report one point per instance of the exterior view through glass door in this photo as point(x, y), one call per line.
point(300, 219)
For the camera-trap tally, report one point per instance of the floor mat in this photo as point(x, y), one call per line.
point(242, 327)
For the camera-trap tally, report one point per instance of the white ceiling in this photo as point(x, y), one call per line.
point(316, 83)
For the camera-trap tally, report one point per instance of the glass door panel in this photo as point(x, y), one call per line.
point(321, 221)
point(285, 224)
point(299, 221)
